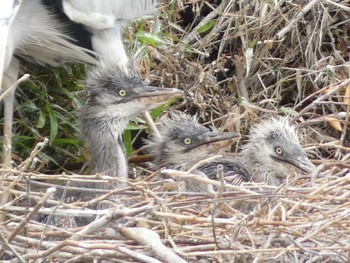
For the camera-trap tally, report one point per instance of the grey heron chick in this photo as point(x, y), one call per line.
point(184, 142)
point(115, 96)
point(270, 154)
point(273, 151)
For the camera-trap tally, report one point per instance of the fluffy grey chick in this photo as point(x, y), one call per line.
point(114, 97)
point(273, 151)
point(184, 142)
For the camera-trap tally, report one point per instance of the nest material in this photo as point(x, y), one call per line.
point(305, 220)
point(236, 61)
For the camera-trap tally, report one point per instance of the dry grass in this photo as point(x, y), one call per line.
point(258, 58)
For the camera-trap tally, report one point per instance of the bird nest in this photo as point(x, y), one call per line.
point(236, 62)
point(304, 220)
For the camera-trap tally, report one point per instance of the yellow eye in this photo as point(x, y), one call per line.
point(187, 141)
point(278, 150)
point(122, 93)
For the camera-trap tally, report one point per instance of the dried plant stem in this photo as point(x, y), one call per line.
point(292, 23)
point(150, 238)
point(150, 123)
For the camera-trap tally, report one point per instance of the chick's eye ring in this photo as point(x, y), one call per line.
point(122, 93)
point(187, 141)
point(278, 150)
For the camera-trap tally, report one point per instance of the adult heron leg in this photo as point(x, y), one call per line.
point(9, 68)
point(11, 75)
point(9, 79)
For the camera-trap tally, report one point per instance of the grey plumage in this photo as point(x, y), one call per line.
point(273, 151)
point(270, 154)
point(233, 170)
point(106, 20)
point(184, 142)
point(36, 35)
point(113, 98)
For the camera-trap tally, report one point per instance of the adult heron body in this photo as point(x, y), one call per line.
point(103, 22)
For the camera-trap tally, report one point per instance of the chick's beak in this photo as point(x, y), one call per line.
point(156, 95)
point(304, 164)
point(215, 137)
point(213, 141)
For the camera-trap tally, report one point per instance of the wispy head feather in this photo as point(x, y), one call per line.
point(108, 77)
point(167, 149)
point(275, 127)
point(273, 151)
point(180, 124)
